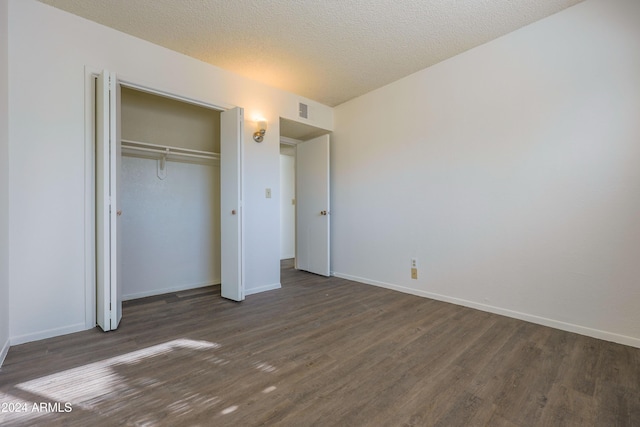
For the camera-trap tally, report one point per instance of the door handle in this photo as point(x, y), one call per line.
point(233, 212)
point(119, 212)
point(323, 212)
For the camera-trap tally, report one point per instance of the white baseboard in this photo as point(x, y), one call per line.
point(262, 289)
point(21, 339)
point(3, 352)
point(154, 292)
point(569, 327)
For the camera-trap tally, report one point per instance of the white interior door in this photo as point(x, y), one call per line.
point(312, 199)
point(231, 265)
point(109, 290)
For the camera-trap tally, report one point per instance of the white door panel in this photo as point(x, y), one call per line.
point(312, 199)
point(231, 263)
point(108, 292)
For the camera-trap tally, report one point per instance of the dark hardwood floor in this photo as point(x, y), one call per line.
point(319, 352)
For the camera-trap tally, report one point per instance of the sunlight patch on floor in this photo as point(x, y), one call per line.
point(264, 367)
point(229, 410)
point(88, 382)
point(178, 378)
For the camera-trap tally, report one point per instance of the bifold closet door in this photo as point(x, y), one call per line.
point(231, 263)
point(108, 286)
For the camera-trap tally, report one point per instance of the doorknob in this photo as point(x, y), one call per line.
point(119, 212)
point(233, 212)
point(323, 212)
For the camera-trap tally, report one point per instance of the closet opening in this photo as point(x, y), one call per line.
point(163, 187)
point(169, 231)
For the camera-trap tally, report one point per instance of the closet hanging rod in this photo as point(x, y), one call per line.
point(212, 156)
point(163, 148)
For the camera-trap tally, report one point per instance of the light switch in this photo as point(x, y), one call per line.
point(267, 193)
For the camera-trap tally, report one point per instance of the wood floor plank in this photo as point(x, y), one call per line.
point(567, 407)
point(581, 370)
point(321, 352)
point(616, 405)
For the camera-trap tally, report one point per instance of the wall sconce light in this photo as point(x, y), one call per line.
point(258, 136)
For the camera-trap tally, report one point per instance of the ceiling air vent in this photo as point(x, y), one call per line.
point(303, 110)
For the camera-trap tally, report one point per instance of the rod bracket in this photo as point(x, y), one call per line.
point(162, 165)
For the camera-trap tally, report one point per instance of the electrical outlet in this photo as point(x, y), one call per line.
point(267, 193)
point(414, 263)
point(414, 273)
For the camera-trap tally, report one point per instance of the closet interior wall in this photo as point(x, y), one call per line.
point(171, 208)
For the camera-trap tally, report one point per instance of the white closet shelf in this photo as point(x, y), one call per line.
point(166, 150)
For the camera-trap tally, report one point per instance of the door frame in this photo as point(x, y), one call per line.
point(90, 75)
point(291, 142)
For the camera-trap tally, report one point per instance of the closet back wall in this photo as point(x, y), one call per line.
point(170, 227)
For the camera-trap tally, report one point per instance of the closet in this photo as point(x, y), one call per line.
point(169, 233)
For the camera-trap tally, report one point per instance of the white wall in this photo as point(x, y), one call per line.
point(160, 120)
point(170, 227)
point(511, 172)
point(287, 208)
point(4, 181)
point(49, 50)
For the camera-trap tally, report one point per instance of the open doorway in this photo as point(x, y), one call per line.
point(287, 201)
point(304, 185)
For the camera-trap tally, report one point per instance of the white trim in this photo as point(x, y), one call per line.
point(4, 351)
point(89, 198)
point(168, 290)
point(569, 327)
point(49, 333)
point(243, 123)
point(166, 94)
point(262, 289)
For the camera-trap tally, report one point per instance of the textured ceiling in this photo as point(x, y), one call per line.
point(327, 50)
